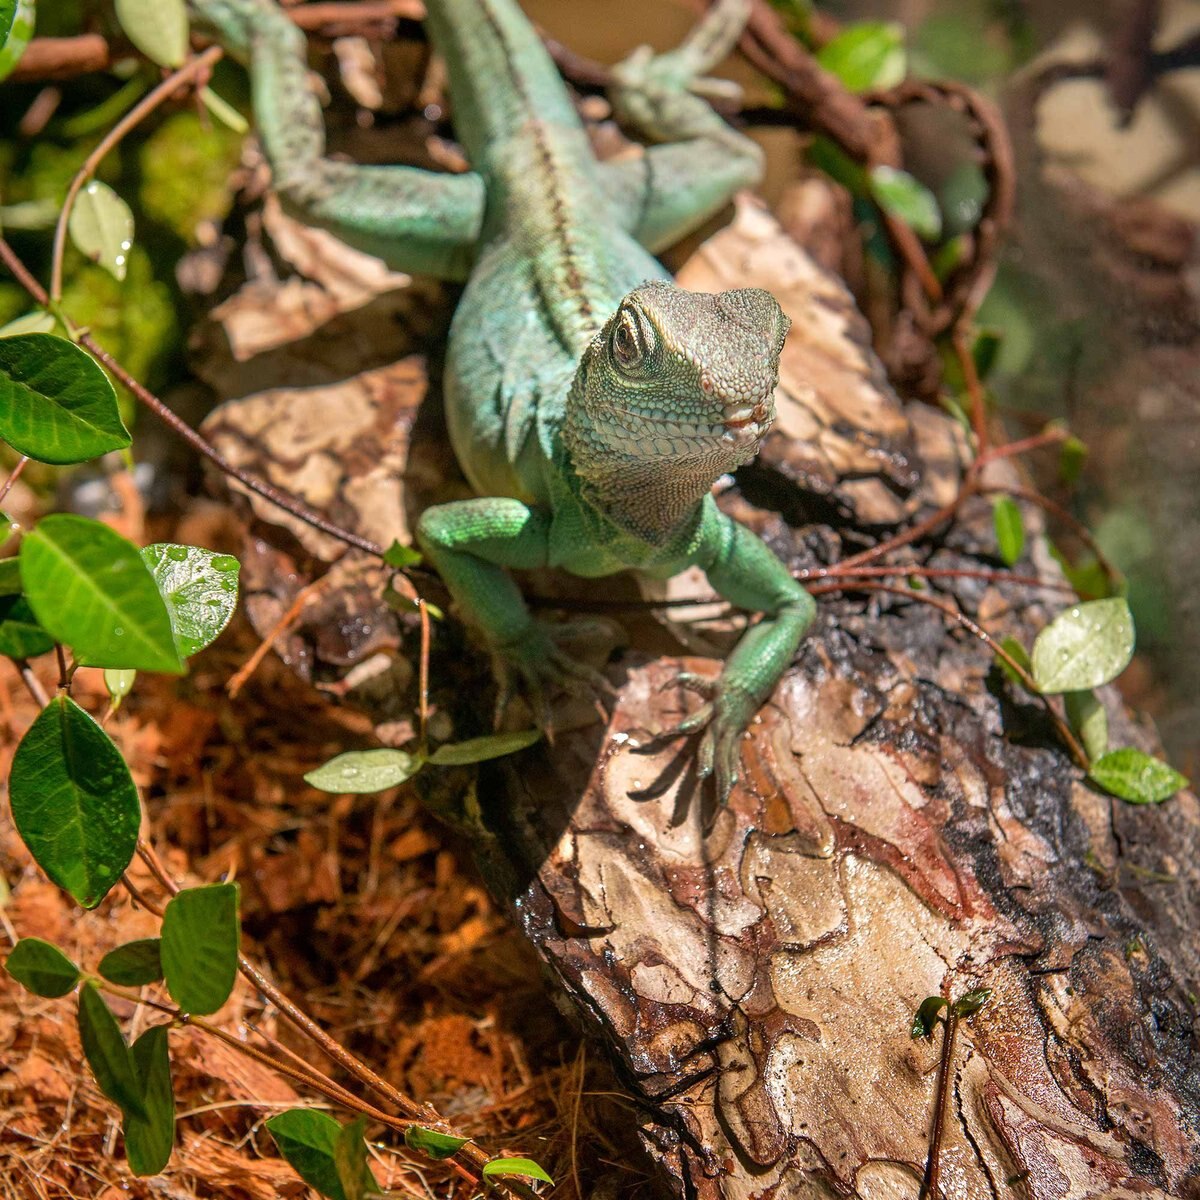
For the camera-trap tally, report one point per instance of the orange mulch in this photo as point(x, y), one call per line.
point(362, 909)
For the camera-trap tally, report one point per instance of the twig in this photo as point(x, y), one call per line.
point(134, 117)
point(33, 685)
point(423, 677)
point(13, 476)
point(238, 680)
point(931, 1185)
point(198, 443)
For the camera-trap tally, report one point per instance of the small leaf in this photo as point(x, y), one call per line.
point(1010, 529)
point(74, 802)
point(134, 964)
point(502, 1167)
point(20, 634)
point(902, 196)
point(16, 32)
point(350, 1161)
point(1136, 777)
point(1084, 647)
point(200, 589)
point(42, 968)
point(398, 602)
point(38, 321)
point(968, 1004)
point(101, 226)
point(10, 577)
point(91, 590)
point(1017, 652)
point(107, 1053)
point(362, 771)
point(1086, 716)
point(1087, 577)
point(1071, 458)
point(119, 684)
point(866, 55)
point(149, 1138)
point(308, 1139)
point(401, 556)
point(199, 949)
point(158, 28)
point(480, 749)
point(56, 404)
point(926, 1017)
point(431, 1143)
point(985, 350)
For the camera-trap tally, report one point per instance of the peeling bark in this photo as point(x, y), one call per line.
point(907, 824)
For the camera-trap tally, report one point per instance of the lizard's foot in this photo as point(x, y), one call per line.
point(721, 720)
point(542, 661)
point(647, 86)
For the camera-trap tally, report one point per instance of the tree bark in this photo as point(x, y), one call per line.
point(907, 823)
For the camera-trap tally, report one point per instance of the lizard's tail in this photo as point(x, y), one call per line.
point(500, 73)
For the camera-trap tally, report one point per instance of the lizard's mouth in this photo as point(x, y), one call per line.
point(750, 421)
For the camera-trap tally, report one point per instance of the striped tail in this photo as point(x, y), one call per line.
point(500, 73)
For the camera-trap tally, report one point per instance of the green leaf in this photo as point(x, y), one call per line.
point(1017, 652)
point(1087, 577)
point(56, 404)
point(107, 1053)
point(1010, 529)
point(925, 1019)
point(1071, 458)
point(20, 634)
point(42, 968)
point(149, 1138)
point(200, 589)
point(1084, 647)
point(101, 226)
point(200, 934)
point(134, 964)
point(158, 28)
point(476, 750)
point(119, 684)
point(350, 1161)
point(968, 1004)
point(363, 771)
point(74, 802)
point(1086, 716)
point(16, 32)
point(501, 1167)
point(38, 321)
point(1136, 777)
point(866, 55)
point(902, 196)
point(401, 556)
point(308, 1139)
point(10, 577)
point(431, 1143)
point(91, 590)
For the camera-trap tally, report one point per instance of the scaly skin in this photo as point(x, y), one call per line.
point(591, 402)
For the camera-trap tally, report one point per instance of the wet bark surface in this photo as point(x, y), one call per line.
point(907, 823)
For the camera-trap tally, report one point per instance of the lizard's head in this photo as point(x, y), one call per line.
point(680, 377)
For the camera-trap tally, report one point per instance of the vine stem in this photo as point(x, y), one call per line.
point(134, 117)
point(13, 476)
point(288, 504)
point(931, 1185)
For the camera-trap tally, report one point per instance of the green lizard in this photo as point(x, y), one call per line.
point(591, 402)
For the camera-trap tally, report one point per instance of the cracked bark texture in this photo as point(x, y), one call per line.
point(906, 826)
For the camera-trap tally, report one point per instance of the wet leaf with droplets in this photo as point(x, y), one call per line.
point(101, 226)
point(364, 771)
point(1084, 647)
point(199, 588)
point(74, 802)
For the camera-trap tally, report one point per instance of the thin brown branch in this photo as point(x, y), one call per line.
point(931, 1185)
point(33, 685)
point(13, 476)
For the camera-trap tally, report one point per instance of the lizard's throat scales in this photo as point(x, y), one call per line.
point(645, 490)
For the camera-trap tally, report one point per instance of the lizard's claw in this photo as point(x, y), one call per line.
point(646, 85)
point(538, 664)
point(720, 720)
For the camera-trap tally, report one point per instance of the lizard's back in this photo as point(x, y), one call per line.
point(554, 260)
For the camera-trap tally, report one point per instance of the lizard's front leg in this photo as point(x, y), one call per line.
point(743, 570)
point(470, 543)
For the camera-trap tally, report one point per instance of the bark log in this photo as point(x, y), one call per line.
point(907, 825)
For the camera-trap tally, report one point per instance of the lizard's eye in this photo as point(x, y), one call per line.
point(627, 347)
